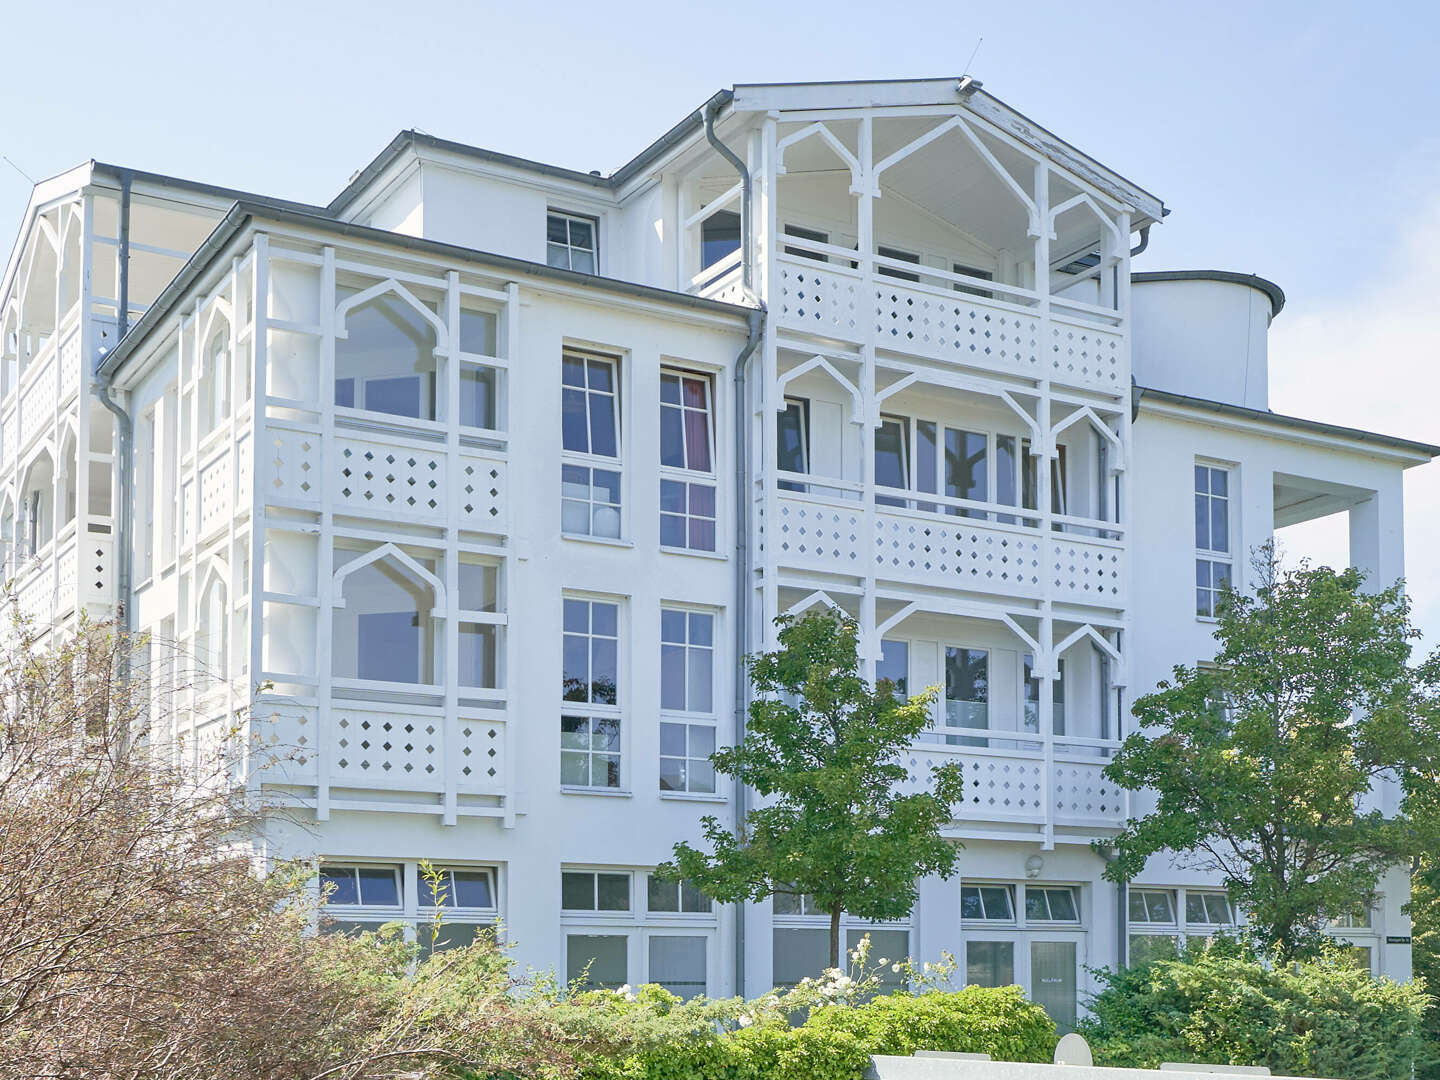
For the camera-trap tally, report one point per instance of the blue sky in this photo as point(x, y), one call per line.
point(1294, 140)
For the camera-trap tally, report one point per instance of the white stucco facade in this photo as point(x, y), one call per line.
point(467, 491)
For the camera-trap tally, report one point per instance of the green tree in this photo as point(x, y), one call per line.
point(822, 749)
point(1262, 762)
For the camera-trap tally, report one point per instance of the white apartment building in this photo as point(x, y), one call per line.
point(470, 488)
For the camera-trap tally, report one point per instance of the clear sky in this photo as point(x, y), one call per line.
point(1299, 141)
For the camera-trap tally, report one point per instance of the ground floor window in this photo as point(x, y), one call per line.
point(439, 906)
point(627, 927)
point(800, 943)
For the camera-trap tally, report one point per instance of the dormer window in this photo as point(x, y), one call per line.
point(571, 242)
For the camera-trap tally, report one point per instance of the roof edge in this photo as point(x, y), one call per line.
point(243, 211)
point(1255, 281)
point(1265, 416)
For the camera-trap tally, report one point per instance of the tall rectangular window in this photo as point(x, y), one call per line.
point(1032, 697)
point(1213, 560)
point(719, 237)
point(687, 701)
point(792, 442)
point(687, 461)
point(571, 241)
point(967, 692)
point(892, 457)
point(590, 493)
point(590, 748)
point(894, 666)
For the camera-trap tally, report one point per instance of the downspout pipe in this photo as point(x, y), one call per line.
point(125, 439)
point(756, 331)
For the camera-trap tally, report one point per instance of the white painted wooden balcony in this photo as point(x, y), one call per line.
point(397, 757)
point(70, 574)
point(385, 475)
point(1079, 344)
point(1021, 780)
point(992, 551)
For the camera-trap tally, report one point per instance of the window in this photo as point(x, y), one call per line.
point(1147, 948)
point(593, 890)
point(793, 903)
point(894, 666)
point(1357, 918)
point(590, 740)
point(570, 242)
point(384, 632)
point(1030, 480)
point(590, 426)
point(975, 272)
point(669, 895)
point(719, 237)
point(899, 256)
point(610, 942)
point(792, 444)
point(1212, 538)
point(1152, 906)
point(215, 381)
point(213, 637)
point(356, 886)
point(687, 462)
point(992, 903)
point(801, 941)
point(1032, 697)
point(687, 663)
point(457, 889)
point(967, 692)
point(385, 360)
point(1047, 903)
point(892, 458)
point(989, 963)
point(802, 233)
point(1210, 908)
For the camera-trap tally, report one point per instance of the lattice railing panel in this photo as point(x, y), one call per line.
point(997, 787)
point(66, 594)
point(292, 465)
point(955, 328)
point(1089, 571)
point(69, 364)
point(1082, 793)
point(958, 553)
point(1086, 355)
point(481, 489)
point(391, 750)
point(480, 749)
point(217, 506)
point(37, 405)
point(817, 300)
point(820, 535)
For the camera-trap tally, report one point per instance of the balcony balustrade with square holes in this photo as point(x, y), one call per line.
point(396, 748)
point(385, 476)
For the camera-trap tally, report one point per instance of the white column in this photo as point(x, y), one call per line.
point(1377, 536)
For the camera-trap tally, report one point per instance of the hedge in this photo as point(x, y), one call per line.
point(835, 1041)
point(1219, 1003)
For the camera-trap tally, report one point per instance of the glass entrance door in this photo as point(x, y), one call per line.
point(1053, 980)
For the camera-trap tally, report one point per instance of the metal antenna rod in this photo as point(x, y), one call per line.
point(978, 43)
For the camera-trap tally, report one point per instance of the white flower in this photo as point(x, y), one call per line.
point(746, 1020)
point(895, 968)
point(926, 967)
point(882, 961)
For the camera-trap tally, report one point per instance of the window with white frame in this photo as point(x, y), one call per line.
point(214, 392)
point(967, 693)
point(687, 461)
point(1154, 926)
point(987, 903)
point(897, 255)
point(800, 940)
point(792, 443)
point(1052, 904)
point(480, 627)
point(801, 232)
point(590, 476)
point(571, 241)
point(590, 747)
point(479, 404)
point(719, 237)
point(385, 354)
point(1032, 696)
point(894, 666)
point(213, 633)
point(619, 930)
point(384, 626)
point(442, 906)
point(974, 272)
point(687, 701)
point(931, 458)
point(1208, 909)
point(1214, 563)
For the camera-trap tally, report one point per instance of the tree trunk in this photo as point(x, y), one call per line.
point(835, 936)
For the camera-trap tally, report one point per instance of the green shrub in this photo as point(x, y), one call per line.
point(834, 1043)
point(1219, 1003)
